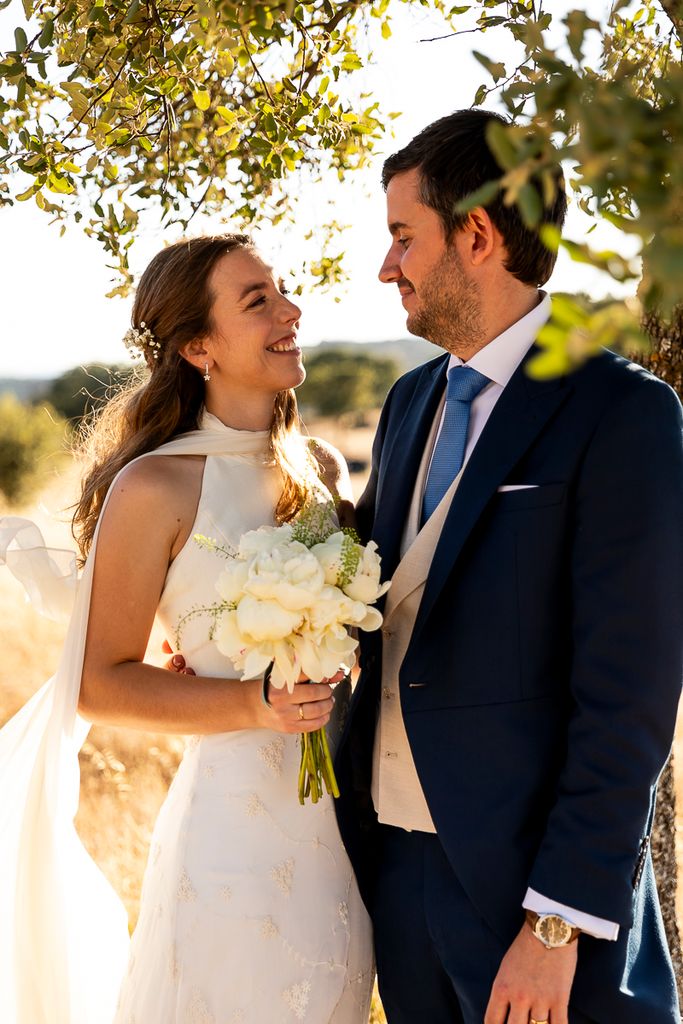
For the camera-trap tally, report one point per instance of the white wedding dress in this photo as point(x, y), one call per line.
point(250, 911)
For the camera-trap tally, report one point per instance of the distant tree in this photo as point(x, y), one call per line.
point(29, 437)
point(82, 389)
point(340, 383)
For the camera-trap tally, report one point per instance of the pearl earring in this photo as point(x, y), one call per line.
point(207, 375)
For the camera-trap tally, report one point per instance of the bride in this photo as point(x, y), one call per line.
point(250, 911)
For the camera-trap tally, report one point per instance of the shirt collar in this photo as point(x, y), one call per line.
point(499, 359)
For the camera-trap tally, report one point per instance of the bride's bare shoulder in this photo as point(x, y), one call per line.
point(163, 487)
point(161, 471)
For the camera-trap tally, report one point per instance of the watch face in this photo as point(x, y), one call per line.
point(553, 930)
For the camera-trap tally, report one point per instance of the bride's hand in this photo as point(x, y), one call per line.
point(307, 708)
point(177, 662)
point(313, 701)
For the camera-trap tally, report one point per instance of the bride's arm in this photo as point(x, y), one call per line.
point(147, 519)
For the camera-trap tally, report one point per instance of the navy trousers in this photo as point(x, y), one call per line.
point(436, 958)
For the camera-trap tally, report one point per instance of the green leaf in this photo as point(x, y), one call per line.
point(202, 99)
point(530, 205)
point(351, 62)
point(132, 12)
point(229, 116)
point(495, 68)
point(47, 34)
point(20, 40)
point(480, 197)
point(501, 145)
point(60, 185)
point(28, 9)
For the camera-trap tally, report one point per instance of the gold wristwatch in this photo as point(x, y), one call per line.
point(551, 929)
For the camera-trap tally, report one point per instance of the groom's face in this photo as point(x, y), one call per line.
point(441, 302)
point(418, 241)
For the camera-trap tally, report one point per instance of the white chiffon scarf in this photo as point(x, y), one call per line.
point(63, 929)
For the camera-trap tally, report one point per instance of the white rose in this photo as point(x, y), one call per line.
point(289, 574)
point(265, 620)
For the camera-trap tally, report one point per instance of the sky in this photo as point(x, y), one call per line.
point(52, 289)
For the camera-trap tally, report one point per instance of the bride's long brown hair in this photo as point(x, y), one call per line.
point(174, 301)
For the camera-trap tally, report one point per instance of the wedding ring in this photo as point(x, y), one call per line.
point(301, 718)
point(532, 1020)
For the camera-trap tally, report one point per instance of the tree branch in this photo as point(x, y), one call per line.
point(674, 11)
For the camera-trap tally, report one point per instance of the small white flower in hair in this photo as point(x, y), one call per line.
point(140, 339)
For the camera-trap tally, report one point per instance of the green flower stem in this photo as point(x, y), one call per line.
point(316, 769)
point(330, 777)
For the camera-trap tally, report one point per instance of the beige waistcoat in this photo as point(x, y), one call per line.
point(396, 790)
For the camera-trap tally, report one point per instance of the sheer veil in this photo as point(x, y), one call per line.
point(63, 929)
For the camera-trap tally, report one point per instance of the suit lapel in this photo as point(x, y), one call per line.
point(400, 466)
point(518, 417)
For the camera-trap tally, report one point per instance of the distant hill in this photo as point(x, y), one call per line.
point(408, 352)
point(24, 389)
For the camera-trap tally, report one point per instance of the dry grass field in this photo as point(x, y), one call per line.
point(124, 774)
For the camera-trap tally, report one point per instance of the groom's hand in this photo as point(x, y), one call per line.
point(533, 983)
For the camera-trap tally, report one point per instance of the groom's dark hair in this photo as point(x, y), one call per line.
point(454, 161)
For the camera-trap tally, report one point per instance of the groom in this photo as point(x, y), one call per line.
point(498, 770)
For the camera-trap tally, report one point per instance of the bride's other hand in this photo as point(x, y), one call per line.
point(177, 663)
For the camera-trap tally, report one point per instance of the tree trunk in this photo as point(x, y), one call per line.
point(665, 359)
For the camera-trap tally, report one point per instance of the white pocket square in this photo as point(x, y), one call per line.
point(517, 487)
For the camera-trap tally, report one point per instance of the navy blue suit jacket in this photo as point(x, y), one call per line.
point(549, 650)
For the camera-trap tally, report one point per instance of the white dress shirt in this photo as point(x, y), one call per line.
point(498, 360)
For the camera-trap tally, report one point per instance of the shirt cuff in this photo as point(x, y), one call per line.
point(598, 927)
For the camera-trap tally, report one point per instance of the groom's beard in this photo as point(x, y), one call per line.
point(449, 311)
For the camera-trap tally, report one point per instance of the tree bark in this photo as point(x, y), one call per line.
point(665, 359)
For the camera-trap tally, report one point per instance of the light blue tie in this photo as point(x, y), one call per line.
point(464, 384)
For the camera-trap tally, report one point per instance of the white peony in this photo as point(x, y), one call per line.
point(229, 640)
point(265, 620)
point(263, 539)
point(230, 584)
point(288, 573)
point(329, 554)
point(365, 585)
point(282, 604)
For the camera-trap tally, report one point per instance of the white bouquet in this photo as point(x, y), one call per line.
point(287, 597)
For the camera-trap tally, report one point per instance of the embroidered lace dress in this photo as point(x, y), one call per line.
point(250, 912)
